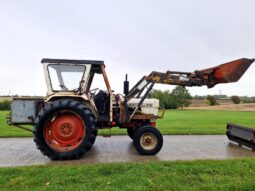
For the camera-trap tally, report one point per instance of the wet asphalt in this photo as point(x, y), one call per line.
point(118, 149)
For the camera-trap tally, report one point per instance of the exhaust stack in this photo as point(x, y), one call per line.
point(126, 85)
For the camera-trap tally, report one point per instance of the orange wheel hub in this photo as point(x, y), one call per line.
point(64, 132)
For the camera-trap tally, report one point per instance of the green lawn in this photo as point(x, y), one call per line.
point(195, 175)
point(203, 121)
point(192, 175)
point(9, 131)
point(174, 122)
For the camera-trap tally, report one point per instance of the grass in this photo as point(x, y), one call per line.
point(188, 122)
point(10, 131)
point(191, 175)
point(202, 122)
point(194, 175)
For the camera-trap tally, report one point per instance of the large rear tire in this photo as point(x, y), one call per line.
point(148, 140)
point(65, 130)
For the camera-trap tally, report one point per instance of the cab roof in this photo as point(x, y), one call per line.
point(96, 64)
point(67, 61)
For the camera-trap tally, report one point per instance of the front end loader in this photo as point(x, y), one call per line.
point(66, 121)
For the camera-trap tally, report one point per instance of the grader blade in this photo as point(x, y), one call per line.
point(241, 135)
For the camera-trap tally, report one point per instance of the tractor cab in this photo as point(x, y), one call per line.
point(73, 78)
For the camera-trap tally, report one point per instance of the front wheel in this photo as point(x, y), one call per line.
point(131, 132)
point(148, 140)
point(65, 129)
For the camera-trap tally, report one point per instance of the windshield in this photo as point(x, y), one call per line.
point(65, 77)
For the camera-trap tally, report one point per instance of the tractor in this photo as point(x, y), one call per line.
point(66, 121)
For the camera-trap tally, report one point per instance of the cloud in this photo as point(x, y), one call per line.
point(134, 37)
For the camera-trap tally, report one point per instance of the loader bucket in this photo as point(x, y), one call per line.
point(232, 71)
point(241, 135)
point(228, 72)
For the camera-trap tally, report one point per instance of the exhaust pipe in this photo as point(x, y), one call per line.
point(126, 86)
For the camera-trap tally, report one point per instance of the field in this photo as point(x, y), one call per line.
point(195, 175)
point(186, 122)
point(227, 107)
point(200, 102)
point(202, 121)
point(10, 131)
point(5, 98)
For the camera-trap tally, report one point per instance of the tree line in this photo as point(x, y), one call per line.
point(5, 105)
point(179, 97)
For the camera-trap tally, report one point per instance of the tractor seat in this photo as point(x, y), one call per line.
point(102, 102)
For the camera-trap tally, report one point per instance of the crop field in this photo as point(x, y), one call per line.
point(5, 98)
point(186, 122)
point(227, 107)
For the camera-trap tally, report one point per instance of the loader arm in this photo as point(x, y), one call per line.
point(224, 73)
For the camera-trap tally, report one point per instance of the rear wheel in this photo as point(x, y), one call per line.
point(65, 129)
point(148, 140)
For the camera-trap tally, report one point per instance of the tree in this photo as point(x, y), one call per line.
point(165, 99)
point(211, 100)
point(235, 99)
point(181, 96)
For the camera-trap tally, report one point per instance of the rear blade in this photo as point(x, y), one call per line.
point(241, 135)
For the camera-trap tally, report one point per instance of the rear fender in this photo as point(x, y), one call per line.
point(83, 98)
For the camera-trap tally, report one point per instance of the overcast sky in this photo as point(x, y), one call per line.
point(134, 37)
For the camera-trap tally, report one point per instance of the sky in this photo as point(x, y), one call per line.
point(134, 37)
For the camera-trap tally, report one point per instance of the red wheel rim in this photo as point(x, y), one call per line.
point(64, 132)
